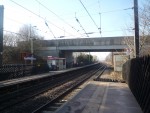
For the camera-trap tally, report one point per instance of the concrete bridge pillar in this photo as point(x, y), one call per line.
point(69, 58)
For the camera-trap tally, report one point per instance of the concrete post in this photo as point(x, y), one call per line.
point(69, 58)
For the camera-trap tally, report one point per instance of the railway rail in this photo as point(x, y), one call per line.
point(36, 97)
point(20, 83)
point(53, 104)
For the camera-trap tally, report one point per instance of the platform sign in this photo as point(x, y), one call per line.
point(29, 58)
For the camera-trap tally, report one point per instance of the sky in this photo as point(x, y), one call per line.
point(70, 18)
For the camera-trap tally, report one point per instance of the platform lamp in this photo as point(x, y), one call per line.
point(31, 39)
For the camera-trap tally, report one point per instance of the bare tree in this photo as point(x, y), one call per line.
point(28, 33)
point(17, 43)
point(144, 25)
point(108, 58)
point(145, 28)
point(10, 48)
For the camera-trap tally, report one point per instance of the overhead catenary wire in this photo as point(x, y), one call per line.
point(81, 25)
point(17, 33)
point(14, 20)
point(117, 10)
point(58, 17)
point(100, 28)
point(90, 16)
point(24, 24)
point(27, 35)
point(117, 30)
point(66, 30)
point(38, 16)
point(111, 11)
point(50, 29)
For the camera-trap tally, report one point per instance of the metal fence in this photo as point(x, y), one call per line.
point(136, 73)
point(11, 71)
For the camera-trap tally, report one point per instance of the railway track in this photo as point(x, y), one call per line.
point(35, 98)
point(54, 104)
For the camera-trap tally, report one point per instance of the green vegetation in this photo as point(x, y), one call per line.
point(84, 59)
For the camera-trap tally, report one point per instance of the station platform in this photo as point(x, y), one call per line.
point(102, 97)
point(24, 79)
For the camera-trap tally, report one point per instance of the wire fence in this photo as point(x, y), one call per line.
point(136, 72)
point(12, 71)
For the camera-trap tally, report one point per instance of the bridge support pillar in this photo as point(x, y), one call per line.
point(69, 58)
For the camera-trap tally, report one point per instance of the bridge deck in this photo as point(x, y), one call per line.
point(102, 97)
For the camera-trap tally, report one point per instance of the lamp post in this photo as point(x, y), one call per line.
point(136, 24)
point(31, 51)
point(31, 39)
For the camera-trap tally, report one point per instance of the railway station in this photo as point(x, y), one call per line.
point(99, 94)
point(48, 62)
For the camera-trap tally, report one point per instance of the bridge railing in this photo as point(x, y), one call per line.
point(84, 42)
point(136, 73)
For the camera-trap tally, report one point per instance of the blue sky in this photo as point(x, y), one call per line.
point(116, 17)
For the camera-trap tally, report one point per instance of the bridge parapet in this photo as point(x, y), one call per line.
point(101, 41)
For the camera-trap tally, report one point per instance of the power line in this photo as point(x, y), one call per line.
point(37, 15)
point(58, 16)
point(49, 29)
point(110, 31)
point(119, 30)
point(117, 10)
point(100, 28)
point(15, 20)
point(24, 24)
point(81, 26)
point(31, 37)
point(112, 11)
point(16, 33)
point(90, 16)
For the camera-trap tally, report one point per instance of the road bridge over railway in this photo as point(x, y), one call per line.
point(98, 44)
point(65, 47)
